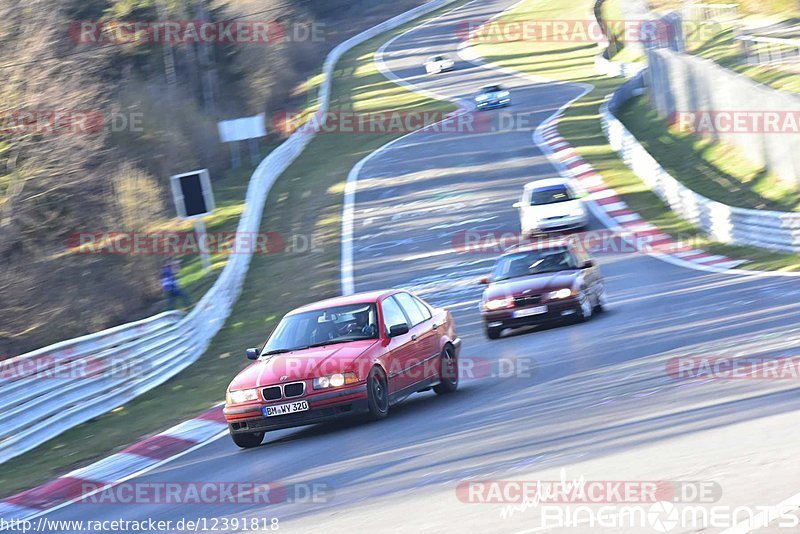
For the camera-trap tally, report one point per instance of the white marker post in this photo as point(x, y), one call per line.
point(194, 199)
point(246, 128)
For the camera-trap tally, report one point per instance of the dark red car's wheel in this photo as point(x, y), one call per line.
point(377, 394)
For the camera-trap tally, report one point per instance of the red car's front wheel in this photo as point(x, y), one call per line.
point(448, 372)
point(377, 394)
point(248, 441)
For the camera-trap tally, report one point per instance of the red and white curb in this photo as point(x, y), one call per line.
point(135, 459)
point(612, 209)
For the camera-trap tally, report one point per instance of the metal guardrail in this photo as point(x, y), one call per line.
point(773, 230)
point(713, 12)
point(96, 373)
point(770, 50)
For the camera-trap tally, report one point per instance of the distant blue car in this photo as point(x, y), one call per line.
point(492, 96)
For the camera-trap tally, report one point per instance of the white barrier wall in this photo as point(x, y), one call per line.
point(773, 230)
point(44, 393)
point(683, 85)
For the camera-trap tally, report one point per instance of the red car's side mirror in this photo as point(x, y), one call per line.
point(398, 330)
point(484, 280)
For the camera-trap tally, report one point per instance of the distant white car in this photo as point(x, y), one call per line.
point(438, 64)
point(550, 205)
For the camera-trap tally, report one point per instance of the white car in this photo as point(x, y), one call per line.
point(550, 205)
point(438, 64)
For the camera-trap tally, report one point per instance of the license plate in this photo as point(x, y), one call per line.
point(283, 409)
point(527, 312)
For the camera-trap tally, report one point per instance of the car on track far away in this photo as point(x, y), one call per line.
point(342, 356)
point(492, 96)
point(550, 205)
point(540, 282)
point(440, 63)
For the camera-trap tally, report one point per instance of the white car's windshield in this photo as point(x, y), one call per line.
point(339, 324)
point(551, 195)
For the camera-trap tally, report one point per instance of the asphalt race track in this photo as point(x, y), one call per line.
point(594, 395)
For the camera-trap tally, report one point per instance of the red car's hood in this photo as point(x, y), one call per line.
point(534, 284)
point(301, 364)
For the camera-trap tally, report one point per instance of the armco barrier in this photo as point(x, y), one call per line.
point(774, 230)
point(151, 351)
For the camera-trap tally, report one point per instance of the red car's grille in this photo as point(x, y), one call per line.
point(294, 390)
point(527, 300)
point(288, 391)
point(271, 393)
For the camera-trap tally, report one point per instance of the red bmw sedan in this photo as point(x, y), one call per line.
point(347, 355)
point(540, 282)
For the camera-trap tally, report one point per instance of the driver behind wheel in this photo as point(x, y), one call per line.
point(361, 325)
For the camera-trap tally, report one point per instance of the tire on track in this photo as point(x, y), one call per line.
point(377, 394)
point(248, 441)
point(448, 371)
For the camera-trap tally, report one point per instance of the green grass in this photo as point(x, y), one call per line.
point(305, 200)
point(574, 62)
point(714, 170)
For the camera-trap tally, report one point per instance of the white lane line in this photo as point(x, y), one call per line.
point(462, 223)
point(431, 254)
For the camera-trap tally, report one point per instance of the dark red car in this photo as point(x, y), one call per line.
point(342, 356)
point(540, 282)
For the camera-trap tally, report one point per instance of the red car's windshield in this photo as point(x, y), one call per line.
point(322, 327)
point(533, 262)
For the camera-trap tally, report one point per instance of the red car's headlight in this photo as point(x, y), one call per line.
point(335, 380)
point(241, 396)
point(498, 304)
point(560, 294)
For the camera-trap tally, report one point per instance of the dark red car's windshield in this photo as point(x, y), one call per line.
point(339, 324)
point(533, 262)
